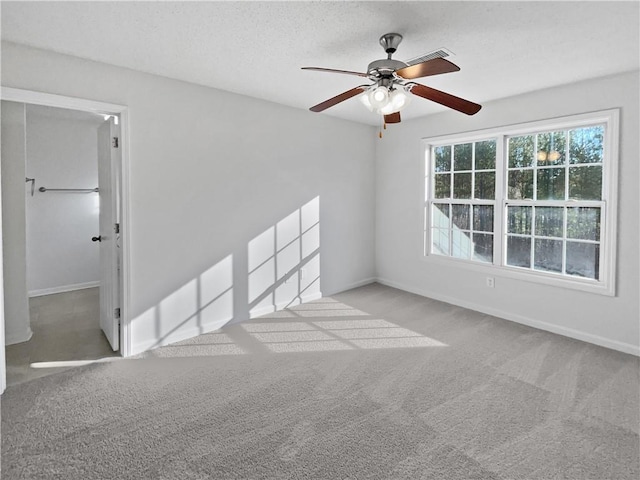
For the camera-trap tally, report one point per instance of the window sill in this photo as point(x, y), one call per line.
point(516, 273)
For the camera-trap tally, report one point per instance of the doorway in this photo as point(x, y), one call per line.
point(92, 297)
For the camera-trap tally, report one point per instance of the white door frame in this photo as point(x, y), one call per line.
point(73, 103)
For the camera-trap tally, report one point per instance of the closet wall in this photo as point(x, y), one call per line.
point(61, 153)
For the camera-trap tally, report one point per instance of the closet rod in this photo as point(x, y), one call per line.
point(78, 190)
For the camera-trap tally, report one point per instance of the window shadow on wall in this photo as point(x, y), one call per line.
point(283, 270)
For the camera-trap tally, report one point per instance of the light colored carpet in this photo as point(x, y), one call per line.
point(373, 383)
point(66, 327)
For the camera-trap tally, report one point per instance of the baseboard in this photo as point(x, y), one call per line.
point(184, 334)
point(13, 338)
point(63, 289)
point(359, 283)
point(177, 336)
point(281, 306)
point(549, 327)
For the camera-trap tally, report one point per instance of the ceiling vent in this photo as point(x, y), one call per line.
point(440, 53)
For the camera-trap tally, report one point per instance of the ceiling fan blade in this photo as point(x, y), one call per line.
point(331, 70)
point(337, 99)
point(446, 99)
point(392, 118)
point(435, 66)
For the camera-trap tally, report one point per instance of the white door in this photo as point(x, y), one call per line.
point(108, 162)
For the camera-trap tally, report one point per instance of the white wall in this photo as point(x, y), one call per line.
point(17, 327)
point(62, 153)
point(211, 171)
point(3, 363)
point(609, 321)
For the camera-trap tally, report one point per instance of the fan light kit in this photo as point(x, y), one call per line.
point(384, 101)
point(389, 92)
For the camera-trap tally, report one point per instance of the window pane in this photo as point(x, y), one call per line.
point(443, 158)
point(519, 220)
point(520, 184)
point(549, 221)
point(521, 151)
point(461, 244)
point(585, 145)
point(485, 185)
point(462, 185)
point(548, 255)
point(486, 155)
point(461, 216)
point(440, 241)
point(551, 184)
point(583, 259)
point(585, 183)
point(442, 185)
point(519, 251)
point(483, 218)
point(462, 156)
point(583, 223)
point(440, 215)
point(483, 247)
point(551, 148)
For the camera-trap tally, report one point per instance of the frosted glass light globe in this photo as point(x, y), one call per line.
point(379, 97)
point(387, 109)
point(399, 99)
point(365, 101)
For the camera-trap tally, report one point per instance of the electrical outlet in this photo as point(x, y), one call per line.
point(490, 282)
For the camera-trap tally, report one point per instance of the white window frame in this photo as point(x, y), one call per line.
point(605, 285)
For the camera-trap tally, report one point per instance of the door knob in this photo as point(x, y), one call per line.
point(96, 239)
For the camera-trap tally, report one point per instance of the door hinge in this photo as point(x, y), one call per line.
point(116, 313)
point(114, 142)
point(116, 228)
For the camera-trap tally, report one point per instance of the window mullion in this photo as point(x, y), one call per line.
point(565, 213)
point(499, 206)
point(473, 172)
point(603, 240)
point(535, 168)
point(566, 165)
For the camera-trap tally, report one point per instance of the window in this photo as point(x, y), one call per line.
point(533, 200)
point(464, 200)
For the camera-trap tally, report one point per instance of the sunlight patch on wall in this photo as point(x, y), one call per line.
point(215, 299)
point(204, 303)
point(284, 262)
point(201, 305)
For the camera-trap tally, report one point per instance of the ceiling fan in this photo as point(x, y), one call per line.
point(387, 95)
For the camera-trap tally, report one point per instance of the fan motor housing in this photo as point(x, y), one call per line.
point(384, 68)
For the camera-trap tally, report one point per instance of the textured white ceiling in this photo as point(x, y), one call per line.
point(257, 48)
